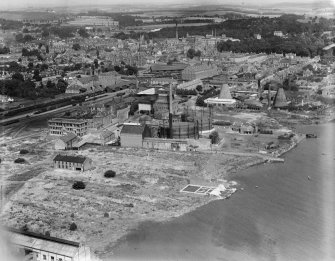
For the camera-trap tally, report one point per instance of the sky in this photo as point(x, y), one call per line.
point(5, 4)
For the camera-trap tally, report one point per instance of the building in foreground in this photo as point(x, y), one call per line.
point(38, 247)
point(66, 142)
point(132, 135)
point(62, 126)
point(79, 163)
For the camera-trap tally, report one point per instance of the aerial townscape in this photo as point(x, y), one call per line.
point(116, 116)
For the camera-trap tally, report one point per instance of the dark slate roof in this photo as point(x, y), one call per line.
point(132, 129)
point(74, 159)
point(41, 236)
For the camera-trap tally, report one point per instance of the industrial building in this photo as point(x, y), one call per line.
point(132, 135)
point(38, 247)
point(62, 126)
point(162, 105)
point(95, 21)
point(200, 71)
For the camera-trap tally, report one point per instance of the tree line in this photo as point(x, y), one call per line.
point(304, 39)
point(19, 87)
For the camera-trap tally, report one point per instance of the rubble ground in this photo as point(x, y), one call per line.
point(146, 187)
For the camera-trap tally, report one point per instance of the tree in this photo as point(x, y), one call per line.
point(76, 46)
point(199, 88)
point(44, 67)
point(83, 33)
point(214, 136)
point(24, 151)
point(190, 53)
point(109, 174)
point(200, 102)
point(73, 226)
point(37, 76)
point(45, 33)
point(20, 160)
point(131, 70)
point(133, 108)
point(78, 185)
point(197, 53)
point(14, 67)
point(4, 50)
point(18, 76)
point(96, 63)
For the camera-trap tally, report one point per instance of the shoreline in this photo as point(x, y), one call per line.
point(261, 160)
point(162, 209)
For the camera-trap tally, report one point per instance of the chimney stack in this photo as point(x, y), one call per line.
point(170, 111)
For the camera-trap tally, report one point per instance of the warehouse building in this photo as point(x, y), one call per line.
point(132, 135)
point(38, 247)
point(198, 72)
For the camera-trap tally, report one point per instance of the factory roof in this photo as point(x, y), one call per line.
point(44, 243)
point(165, 67)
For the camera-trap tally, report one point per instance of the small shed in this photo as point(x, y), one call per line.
point(79, 163)
point(247, 129)
point(106, 136)
point(66, 142)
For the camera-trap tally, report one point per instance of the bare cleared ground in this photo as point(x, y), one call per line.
point(146, 187)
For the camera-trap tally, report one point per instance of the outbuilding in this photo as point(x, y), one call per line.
point(79, 163)
point(66, 142)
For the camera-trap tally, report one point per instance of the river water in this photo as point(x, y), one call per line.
point(290, 215)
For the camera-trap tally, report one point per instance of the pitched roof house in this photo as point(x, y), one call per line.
point(66, 142)
point(72, 162)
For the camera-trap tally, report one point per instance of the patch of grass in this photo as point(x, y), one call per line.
point(25, 175)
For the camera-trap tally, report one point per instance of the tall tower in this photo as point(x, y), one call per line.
point(170, 112)
point(177, 30)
